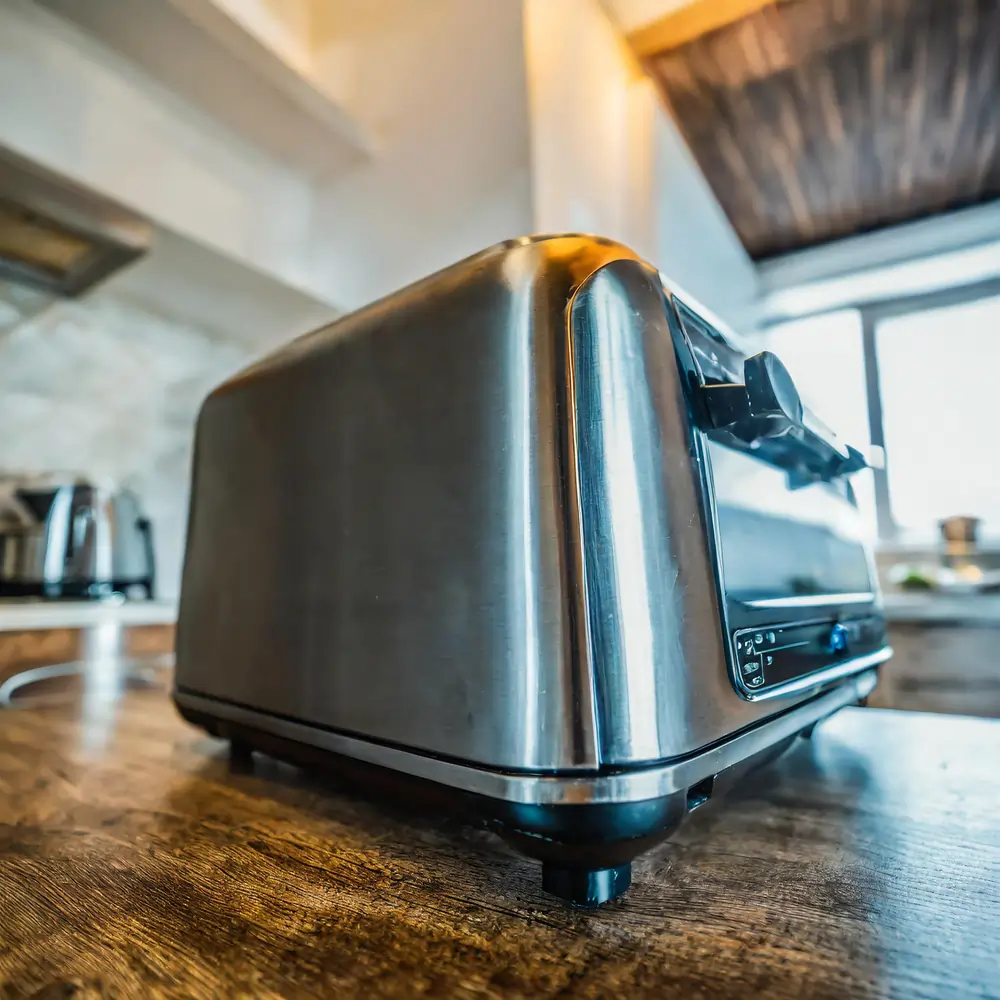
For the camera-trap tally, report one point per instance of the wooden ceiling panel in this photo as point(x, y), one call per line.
point(818, 119)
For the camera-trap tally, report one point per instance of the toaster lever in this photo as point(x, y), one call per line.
point(766, 412)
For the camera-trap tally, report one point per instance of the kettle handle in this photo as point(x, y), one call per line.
point(145, 527)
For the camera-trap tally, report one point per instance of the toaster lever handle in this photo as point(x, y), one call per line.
point(766, 412)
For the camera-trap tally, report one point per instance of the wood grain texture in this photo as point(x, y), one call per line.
point(942, 668)
point(134, 863)
point(818, 119)
point(28, 648)
point(148, 640)
point(32, 647)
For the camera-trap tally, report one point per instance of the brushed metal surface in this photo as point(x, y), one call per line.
point(35, 550)
point(655, 626)
point(469, 520)
point(379, 537)
point(648, 582)
point(537, 789)
point(89, 534)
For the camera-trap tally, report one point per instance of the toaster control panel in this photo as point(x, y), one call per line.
point(773, 656)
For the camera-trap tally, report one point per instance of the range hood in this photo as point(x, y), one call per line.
point(61, 240)
point(58, 238)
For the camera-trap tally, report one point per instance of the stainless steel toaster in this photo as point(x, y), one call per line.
point(69, 538)
point(534, 538)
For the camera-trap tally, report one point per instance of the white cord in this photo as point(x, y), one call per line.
point(134, 668)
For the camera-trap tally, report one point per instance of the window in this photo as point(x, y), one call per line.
point(937, 407)
point(825, 356)
point(940, 415)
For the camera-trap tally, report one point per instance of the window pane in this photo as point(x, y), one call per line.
point(940, 404)
point(825, 357)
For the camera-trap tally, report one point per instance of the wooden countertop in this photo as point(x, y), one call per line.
point(134, 863)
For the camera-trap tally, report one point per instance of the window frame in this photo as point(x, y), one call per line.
point(872, 315)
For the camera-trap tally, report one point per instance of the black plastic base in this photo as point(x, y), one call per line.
point(586, 850)
point(240, 757)
point(586, 888)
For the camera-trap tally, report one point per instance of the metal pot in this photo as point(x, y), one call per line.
point(74, 539)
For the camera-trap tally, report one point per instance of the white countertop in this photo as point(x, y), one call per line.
point(17, 615)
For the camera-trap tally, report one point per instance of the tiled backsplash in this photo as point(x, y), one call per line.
point(105, 388)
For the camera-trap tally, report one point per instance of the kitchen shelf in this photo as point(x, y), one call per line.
point(200, 52)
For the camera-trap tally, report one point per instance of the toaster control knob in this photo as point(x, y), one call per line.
point(727, 405)
point(839, 639)
point(765, 403)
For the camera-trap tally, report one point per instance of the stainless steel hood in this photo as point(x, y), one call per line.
point(57, 237)
point(60, 240)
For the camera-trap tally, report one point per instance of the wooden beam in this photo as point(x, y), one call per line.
point(690, 22)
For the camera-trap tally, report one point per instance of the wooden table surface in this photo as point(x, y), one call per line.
point(134, 863)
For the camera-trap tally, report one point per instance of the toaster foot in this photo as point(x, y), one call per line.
point(586, 887)
point(240, 757)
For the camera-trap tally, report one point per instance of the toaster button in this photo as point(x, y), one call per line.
point(839, 639)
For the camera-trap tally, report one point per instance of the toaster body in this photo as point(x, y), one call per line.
point(533, 534)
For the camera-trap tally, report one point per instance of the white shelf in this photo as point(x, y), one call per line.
point(201, 53)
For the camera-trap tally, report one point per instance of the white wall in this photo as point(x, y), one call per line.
point(607, 158)
point(442, 85)
point(110, 389)
point(76, 107)
point(284, 26)
point(590, 113)
point(110, 386)
point(697, 246)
